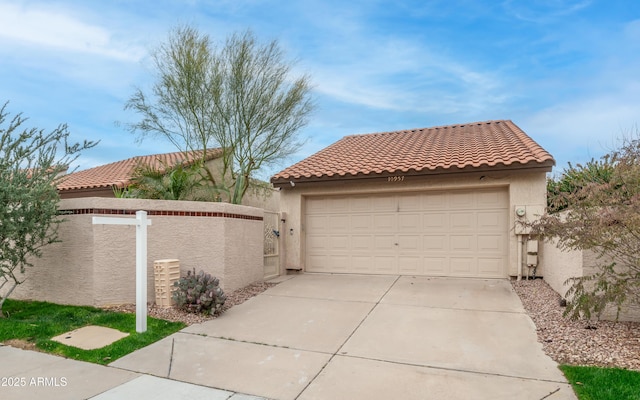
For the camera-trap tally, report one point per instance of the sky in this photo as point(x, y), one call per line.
point(565, 71)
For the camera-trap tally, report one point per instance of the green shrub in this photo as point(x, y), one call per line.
point(199, 293)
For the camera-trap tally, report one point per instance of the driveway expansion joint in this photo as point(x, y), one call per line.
point(466, 371)
point(321, 299)
point(173, 342)
point(257, 343)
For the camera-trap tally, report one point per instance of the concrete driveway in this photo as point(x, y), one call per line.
point(355, 337)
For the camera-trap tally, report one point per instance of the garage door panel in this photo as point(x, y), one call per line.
point(435, 265)
point(318, 263)
point(337, 205)
point(410, 243)
point(339, 223)
point(384, 203)
point(410, 202)
point(410, 265)
point(434, 201)
point(362, 243)
point(491, 220)
point(491, 243)
point(317, 243)
point(439, 233)
point(490, 267)
point(385, 264)
point(492, 198)
point(410, 222)
point(339, 263)
point(339, 243)
point(462, 243)
point(317, 223)
point(361, 204)
point(316, 206)
point(462, 200)
point(463, 221)
point(431, 243)
point(384, 244)
point(361, 223)
point(361, 263)
point(438, 222)
point(462, 266)
point(384, 222)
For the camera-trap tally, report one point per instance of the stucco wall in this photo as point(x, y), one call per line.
point(95, 264)
point(525, 188)
point(265, 198)
point(562, 265)
point(630, 311)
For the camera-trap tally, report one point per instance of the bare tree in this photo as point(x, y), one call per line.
point(240, 97)
point(31, 164)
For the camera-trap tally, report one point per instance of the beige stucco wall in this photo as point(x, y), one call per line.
point(560, 265)
point(265, 198)
point(563, 265)
point(95, 264)
point(525, 188)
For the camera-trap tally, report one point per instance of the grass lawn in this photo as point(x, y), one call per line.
point(593, 383)
point(37, 322)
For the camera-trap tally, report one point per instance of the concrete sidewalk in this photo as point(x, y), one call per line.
point(365, 337)
point(324, 337)
point(28, 375)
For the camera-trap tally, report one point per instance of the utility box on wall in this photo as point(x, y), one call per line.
point(166, 272)
point(525, 215)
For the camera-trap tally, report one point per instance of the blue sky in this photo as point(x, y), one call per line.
point(566, 71)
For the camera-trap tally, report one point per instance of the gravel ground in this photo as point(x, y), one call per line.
point(596, 343)
point(172, 314)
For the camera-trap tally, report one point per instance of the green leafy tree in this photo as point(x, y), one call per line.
point(178, 182)
point(240, 96)
point(31, 164)
point(601, 202)
point(561, 191)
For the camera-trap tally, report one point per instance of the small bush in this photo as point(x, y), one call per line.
point(199, 293)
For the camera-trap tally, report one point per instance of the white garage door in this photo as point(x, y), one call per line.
point(445, 233)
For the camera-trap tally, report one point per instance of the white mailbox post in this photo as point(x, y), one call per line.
point(141, 222)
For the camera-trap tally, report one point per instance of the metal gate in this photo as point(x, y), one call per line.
point(271, 244)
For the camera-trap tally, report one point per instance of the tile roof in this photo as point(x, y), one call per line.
point(119, 173)
point(428, 150)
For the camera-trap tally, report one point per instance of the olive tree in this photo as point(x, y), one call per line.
point(31, 164)
point(601, 213)
point(239, 96)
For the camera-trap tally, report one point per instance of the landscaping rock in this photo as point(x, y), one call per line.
point(173, 314)
point(581, 342)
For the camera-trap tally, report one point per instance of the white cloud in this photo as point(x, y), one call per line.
point(544, 11)
point(576, 131)
point(400, 75)
point(53, 28)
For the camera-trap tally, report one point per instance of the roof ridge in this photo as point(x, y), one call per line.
point(487, 122)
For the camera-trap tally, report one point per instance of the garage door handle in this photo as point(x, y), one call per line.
point(396, 244)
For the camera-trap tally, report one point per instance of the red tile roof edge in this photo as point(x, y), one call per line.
point(426, 150)
point(119, 173)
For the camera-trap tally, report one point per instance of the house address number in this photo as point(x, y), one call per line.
point(395, 178)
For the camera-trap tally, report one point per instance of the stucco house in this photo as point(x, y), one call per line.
point(440, 201)
point(100, 181)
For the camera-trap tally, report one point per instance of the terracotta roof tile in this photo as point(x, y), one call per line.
point(119, 173)
point(428, 150)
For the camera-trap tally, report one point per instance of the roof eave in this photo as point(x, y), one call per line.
point(545, 166)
